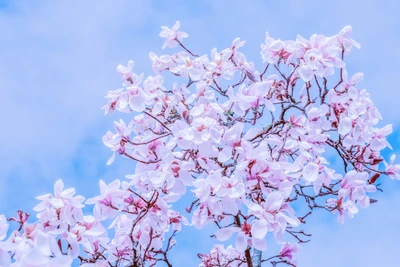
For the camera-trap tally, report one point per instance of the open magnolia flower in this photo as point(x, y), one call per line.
point(250, 146)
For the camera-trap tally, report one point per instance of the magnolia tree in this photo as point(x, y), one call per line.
point(249, 147)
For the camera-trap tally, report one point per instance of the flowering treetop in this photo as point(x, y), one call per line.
point(247, 145)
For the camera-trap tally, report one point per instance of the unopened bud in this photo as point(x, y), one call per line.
point(374, 177)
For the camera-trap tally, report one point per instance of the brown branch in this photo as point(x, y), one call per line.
point(148, 114)
point(187, 50)
point(148, 142)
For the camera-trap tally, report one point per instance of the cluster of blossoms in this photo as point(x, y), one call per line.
point(249, 145)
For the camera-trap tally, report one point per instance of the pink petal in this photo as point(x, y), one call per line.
point(305, 73)
point(226, 233)
point(58, 187)
point(259, 244)
point(310, 172)
point(241, 242)
point(230, 205)
point(357, 78)
point(136, 102)
point(111, 160)
point(274, 201)
point(345, 125)
point(259, 229)
point(35, 258)
point(225, 154)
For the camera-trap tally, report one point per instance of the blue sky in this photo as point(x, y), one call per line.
point(59, 59)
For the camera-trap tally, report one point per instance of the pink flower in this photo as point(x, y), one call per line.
point(221, 256)
point(172, 35)
point(342, 207)
point(379, 141)
point(231, 138)
point(61, 198)
point(128, 77)
point(161, 63)
point(288, 251)
point(343, 38)
point(273, 50)
point(106, 205)
point(310, 172)
point(117, 142)
point(117, 100)
point(269, 216)
point(392, 170)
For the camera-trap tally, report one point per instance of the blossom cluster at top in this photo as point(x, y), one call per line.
point(247, 144)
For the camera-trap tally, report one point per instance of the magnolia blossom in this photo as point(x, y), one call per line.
point(248, 150)
point(221, 256)
point(172, 35)
point(288, 251)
